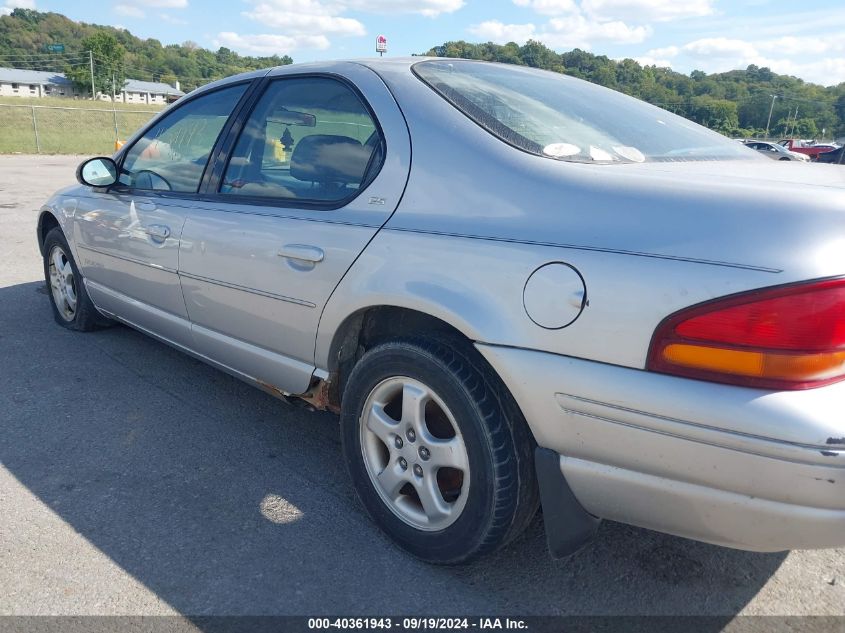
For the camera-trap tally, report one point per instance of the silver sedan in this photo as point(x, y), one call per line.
point(516, 288)
point(775, 151)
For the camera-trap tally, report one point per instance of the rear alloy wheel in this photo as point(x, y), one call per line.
point(72, 308)
point(417, 463)
point(437, 450)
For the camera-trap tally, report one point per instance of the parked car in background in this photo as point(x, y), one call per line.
point(623, 317)
point(775, 151)
point(837, 156)
point(810, 148)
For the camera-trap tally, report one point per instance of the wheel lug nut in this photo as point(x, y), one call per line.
point(425, 454)
point(418, 471)
point(403, 463)
point(398, 442)
point(411, 435)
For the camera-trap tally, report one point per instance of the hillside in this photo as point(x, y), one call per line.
point(736, 103)
point(25, 33)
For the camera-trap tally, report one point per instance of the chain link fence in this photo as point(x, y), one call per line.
point(36, 129)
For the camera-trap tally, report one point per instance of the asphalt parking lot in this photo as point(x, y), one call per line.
point(136, 480)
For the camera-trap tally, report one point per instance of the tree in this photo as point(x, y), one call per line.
point(108, 56)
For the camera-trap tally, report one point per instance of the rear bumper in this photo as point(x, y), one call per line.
point(739, 467)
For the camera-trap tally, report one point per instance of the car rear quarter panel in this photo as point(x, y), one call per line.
point(478, 217)
point(476, 285)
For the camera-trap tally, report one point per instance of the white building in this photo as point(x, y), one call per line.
point(136, 91)
point(17, 82)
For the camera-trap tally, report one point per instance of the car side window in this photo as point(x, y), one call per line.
point(308, 138)
point(172, 155)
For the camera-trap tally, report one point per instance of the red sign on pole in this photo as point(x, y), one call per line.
point(381, 45)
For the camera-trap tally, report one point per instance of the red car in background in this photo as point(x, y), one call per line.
point(810, 148)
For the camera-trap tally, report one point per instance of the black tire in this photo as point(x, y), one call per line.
point(503, 495)
point(85, 316)
point(784, 158)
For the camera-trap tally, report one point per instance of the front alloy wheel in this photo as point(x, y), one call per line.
point(72, 307)
point(62, 283)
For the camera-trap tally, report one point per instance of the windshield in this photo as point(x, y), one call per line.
point(564, 118)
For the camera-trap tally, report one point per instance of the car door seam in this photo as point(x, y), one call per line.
point(387, 219)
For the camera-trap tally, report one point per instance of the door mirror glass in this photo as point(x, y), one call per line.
point(97, 172)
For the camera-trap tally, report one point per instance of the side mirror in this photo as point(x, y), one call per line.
point(97, 172)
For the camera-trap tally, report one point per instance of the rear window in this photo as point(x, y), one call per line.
point(560, 117)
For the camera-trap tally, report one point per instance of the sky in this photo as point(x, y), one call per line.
point(805, 39)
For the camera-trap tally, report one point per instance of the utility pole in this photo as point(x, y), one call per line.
point(114, 110)
point(771, 109)
point(93, 89)
point(794, 122)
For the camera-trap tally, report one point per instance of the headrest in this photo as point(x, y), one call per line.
point(328, 158)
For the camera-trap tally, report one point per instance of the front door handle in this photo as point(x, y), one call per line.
point(302, 252)
point(158, 232)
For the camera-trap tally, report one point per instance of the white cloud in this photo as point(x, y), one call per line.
point(573, 31)
point(646, 60)
point(578, 23)
point(818, 59)
point(165, 4)
point(800, 46)
point(428, 8)
point(647, 10)
point(827, 71)
point(268, 44)
point(667, 51)
point(549, 7)
point(578, 31)
point(304, 17)
point(129, 10)
point(660, 57)
point(311, 19)
point(135, 8)
point(10, 5)
point(495, 31)
point(720, 48)
point(166, 17)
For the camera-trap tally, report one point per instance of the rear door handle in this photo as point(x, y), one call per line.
point(302, 252)
point(158, 232)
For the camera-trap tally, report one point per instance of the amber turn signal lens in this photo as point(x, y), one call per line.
point(767, 365)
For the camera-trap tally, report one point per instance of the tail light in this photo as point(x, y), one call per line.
point(789, 337)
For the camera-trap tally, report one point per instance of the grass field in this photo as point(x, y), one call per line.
point(67, 126)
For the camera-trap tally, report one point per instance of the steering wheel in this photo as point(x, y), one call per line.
point(154, 180)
